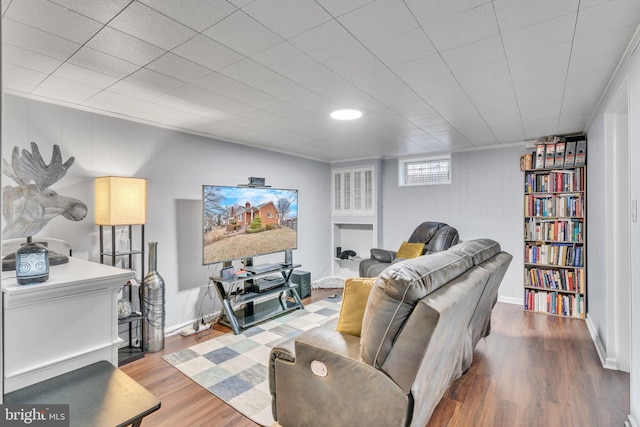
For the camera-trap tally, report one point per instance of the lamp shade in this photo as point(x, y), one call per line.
point(120, 200)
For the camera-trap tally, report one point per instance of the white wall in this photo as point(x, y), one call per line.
point(176, 165)
point(484, 199)
point(598, 295)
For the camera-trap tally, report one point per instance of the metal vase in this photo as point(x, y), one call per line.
point(153, 304)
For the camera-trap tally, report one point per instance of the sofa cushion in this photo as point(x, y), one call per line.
point(395, 294)
point(479, 250)
point(410, 250)
point(354, 300)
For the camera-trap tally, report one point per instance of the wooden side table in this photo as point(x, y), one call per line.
point(98, 395)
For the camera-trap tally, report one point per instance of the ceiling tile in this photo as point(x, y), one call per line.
point(28, 59)
point(429, 11)
point(123, 46)
point(474, 54)
point(380, 20)
point(99, 10)
point(24, 76)
point(230, 88)
point(81, 75)
point(154, 80)
point(464, 28)
point(52, 18)
point(607, 16)
point(287, 18)
point(250, 85)
point(210, 99)
point(17, 34)
point(515, 14)
point(128, 88)
point(206, 52)
point(326, 41)
point(539, 36)
point(196, 14)
point(111, 101)
point(402, 48)
point(281, 87)
point(355, 64)
point(151, 26)
point(283, 58)
point(340, 7)
point(249, 72)
point(179, 68)
point(103, 63)
point(243, 34)
point(603, 43)
point(66, 90)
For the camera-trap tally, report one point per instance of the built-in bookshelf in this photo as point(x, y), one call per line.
point(555, 227)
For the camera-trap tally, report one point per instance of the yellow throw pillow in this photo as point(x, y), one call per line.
point(410, 250)
point(354, 301)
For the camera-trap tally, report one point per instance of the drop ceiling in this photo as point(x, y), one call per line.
point(430, 76)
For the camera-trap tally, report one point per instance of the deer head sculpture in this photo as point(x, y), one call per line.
point(28, 207)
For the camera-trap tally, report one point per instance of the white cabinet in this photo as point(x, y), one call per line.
point(65, 323)
point(353, 191)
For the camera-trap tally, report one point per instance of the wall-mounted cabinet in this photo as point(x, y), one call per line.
point(355, 215)
point(353, 191)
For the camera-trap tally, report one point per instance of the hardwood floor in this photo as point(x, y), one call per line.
point(533, 370)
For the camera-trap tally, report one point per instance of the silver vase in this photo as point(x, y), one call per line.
point(153, 304)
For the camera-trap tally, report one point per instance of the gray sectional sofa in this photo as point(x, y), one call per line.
point(423, 318)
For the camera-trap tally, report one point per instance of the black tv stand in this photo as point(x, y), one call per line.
point(242, 308)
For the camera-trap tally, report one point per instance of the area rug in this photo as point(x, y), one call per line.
point(331, 282)
point(235, 367)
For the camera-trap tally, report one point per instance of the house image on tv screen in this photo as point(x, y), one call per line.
point(240, 222)
point(243, 215)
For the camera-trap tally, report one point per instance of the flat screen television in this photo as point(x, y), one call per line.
point(245, 222)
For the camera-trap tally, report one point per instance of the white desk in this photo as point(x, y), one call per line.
point(65, 323)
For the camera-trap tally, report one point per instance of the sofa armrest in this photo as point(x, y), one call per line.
point(302, 393)
point(383, 255)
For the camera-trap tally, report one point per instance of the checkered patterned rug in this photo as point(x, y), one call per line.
point(235, 367)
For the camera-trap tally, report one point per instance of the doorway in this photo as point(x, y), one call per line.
point(618, 220)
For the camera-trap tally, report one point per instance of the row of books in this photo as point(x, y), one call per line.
point(555, 230)
point(555, 181)
point(555, 303)
point(563, 280)
point(560, 254)
point(563, 205)
point(560, 154)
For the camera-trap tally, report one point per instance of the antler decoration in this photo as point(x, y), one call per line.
point(29, 207)
point(30, 168)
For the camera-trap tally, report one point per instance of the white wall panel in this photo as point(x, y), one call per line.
point(176, 166)
point(484, 199)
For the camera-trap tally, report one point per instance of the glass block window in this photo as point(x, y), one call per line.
point(425, 171)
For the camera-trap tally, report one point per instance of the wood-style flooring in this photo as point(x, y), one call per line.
point(533, 370)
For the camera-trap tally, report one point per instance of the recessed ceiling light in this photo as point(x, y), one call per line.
point(346, 114)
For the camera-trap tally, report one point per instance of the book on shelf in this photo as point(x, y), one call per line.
point(559, 159)
point(570, 154)
point(581, 153)
point(550, 156)
point(540, 148)
point(554, 303)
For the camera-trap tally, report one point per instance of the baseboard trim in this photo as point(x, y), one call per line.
point(510, 300)
point(606, 362)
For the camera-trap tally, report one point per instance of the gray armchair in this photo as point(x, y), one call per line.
point(437, 237)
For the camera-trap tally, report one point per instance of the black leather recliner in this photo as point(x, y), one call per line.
point(437, 236)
